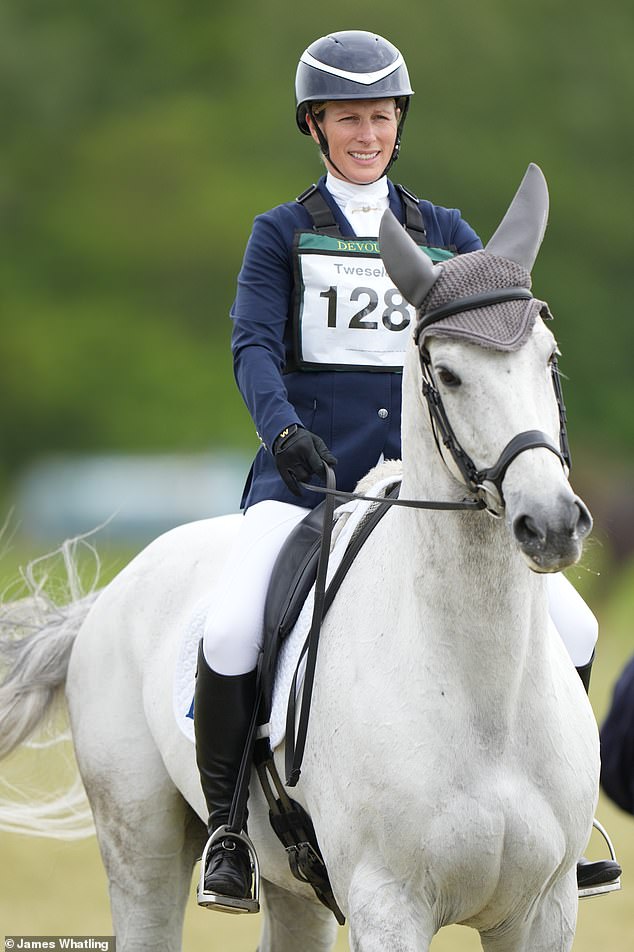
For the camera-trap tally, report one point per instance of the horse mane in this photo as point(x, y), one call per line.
point(389, 467)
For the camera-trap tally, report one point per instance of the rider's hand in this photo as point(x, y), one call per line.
point(299, 454)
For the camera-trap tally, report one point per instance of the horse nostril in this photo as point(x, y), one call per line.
point(527, 531)
point(584, 519)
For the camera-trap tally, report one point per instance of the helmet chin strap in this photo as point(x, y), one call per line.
point(325, 149)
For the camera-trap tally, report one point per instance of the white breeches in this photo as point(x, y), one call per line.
point(233, 630)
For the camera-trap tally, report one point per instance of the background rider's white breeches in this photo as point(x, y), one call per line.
point(577, 626)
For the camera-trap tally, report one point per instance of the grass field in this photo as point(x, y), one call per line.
point(51, 887)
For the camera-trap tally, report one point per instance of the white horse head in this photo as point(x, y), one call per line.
point(489, 370)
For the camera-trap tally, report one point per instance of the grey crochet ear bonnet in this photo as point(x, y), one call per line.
point(503, 326)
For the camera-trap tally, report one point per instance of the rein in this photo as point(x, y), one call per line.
point(387, 501)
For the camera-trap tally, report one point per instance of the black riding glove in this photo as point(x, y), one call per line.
point(298, 454)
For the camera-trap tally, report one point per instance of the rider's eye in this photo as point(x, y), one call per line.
point(448, 377)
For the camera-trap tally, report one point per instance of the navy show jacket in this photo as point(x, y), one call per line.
point(356, 413)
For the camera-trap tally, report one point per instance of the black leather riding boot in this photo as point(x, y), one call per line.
point(223, 708)
point(584, 673)
point(602, 871)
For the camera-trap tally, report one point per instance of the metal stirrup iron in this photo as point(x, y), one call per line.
point(232, 904)
point(588, 891)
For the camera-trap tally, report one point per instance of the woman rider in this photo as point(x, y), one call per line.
point(318, 341)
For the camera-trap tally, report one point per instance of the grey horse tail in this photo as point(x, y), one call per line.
point(36, 639)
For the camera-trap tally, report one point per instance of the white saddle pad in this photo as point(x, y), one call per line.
point(347, 519)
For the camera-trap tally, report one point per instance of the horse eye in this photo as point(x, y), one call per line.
point(448, 377)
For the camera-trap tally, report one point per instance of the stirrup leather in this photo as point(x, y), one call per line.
point(231, 904)
point(590, 891)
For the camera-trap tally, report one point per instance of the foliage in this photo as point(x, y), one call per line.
point(141, 139)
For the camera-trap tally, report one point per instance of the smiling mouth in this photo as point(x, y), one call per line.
point(365, 156)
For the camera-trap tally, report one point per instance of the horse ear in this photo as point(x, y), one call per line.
point(520, 233)
point(411, 270)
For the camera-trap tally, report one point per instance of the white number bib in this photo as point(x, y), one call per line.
point(348, 315)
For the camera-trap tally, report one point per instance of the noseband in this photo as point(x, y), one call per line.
point(477, 480)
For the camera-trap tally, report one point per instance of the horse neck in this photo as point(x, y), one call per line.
point(470, 583)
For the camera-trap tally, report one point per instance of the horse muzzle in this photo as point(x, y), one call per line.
point(551, 537)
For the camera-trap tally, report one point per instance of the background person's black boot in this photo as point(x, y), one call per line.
point(595, 876)
point(223, 708)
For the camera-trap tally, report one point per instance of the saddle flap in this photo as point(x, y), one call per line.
point(292, 579)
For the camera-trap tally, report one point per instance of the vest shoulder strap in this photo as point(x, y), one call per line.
point(325, 223)
point(320, 211)
point(414, 224)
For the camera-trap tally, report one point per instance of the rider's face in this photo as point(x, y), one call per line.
point(361, 135)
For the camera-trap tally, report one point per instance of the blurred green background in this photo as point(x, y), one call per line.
point(141, 139)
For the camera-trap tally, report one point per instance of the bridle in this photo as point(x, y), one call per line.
point(484, 484)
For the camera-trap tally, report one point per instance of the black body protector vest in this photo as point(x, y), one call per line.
point(347, 314)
